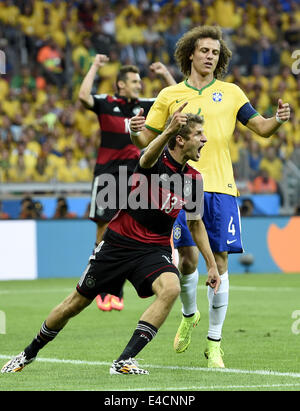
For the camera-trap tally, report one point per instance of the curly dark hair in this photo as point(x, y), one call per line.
point(185, 47)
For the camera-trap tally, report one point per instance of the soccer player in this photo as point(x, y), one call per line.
point(116, 149)
point(136, 244)
point(203, 57)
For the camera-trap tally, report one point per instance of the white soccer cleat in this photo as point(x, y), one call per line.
point(17, 363)
point(126, 367)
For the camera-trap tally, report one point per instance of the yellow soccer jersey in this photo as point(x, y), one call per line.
point(219, 103)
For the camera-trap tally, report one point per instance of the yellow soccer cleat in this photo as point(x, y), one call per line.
point(214, 354)
point(183, 336)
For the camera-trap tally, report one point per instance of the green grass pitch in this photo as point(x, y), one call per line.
point(261, 340)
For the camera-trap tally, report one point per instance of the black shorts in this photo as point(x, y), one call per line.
point(97, 212)
point(111, 266)
point(105, 207)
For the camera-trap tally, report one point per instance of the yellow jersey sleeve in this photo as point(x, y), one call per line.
point(159, 111)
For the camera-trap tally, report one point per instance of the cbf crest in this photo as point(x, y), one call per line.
point(177, 232)
point(217, 96)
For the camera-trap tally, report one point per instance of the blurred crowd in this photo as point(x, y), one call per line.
point(46, 134)
point(31, 208)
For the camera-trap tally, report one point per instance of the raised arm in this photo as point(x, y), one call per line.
point(161, 70)
point(155, 148)
point(199, 234)
point(266, 127)
point(86, 86)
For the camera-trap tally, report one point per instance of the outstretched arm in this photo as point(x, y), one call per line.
point(86, 86)
point(266, 127)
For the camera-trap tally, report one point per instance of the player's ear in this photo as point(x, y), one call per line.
point(180, 140)
point(120, 84)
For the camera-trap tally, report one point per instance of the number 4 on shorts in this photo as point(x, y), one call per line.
point(231, 227)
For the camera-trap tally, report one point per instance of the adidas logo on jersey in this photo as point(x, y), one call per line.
point(116, 110)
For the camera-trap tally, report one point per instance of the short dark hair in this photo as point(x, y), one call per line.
point(122, 75)
point(184, 131)
point(185, 47)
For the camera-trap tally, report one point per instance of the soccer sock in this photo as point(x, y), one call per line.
point(217, 308)
point(142, 335)
point(45, 335)
point(188, 295)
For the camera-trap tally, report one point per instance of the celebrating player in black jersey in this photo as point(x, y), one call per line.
point(116, 152)
point(136, 245)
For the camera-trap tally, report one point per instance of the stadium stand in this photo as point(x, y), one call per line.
point(47, 139)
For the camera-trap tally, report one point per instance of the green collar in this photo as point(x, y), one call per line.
point(203, 88)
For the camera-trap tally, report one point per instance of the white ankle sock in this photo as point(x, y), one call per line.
point(218, 307)
point(188, 295)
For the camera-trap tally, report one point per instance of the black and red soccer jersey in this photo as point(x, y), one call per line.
point(156, 198)
point(116, 148)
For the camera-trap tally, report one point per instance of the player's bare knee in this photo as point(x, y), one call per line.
point(187, 266)
point(188, 259)
point(167, 287)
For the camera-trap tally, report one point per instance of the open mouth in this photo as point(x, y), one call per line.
point(199, 151)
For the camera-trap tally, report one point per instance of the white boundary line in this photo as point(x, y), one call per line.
point(171, 367)
point(214, 387)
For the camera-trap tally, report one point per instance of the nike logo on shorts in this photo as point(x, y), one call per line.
point(231, 241)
